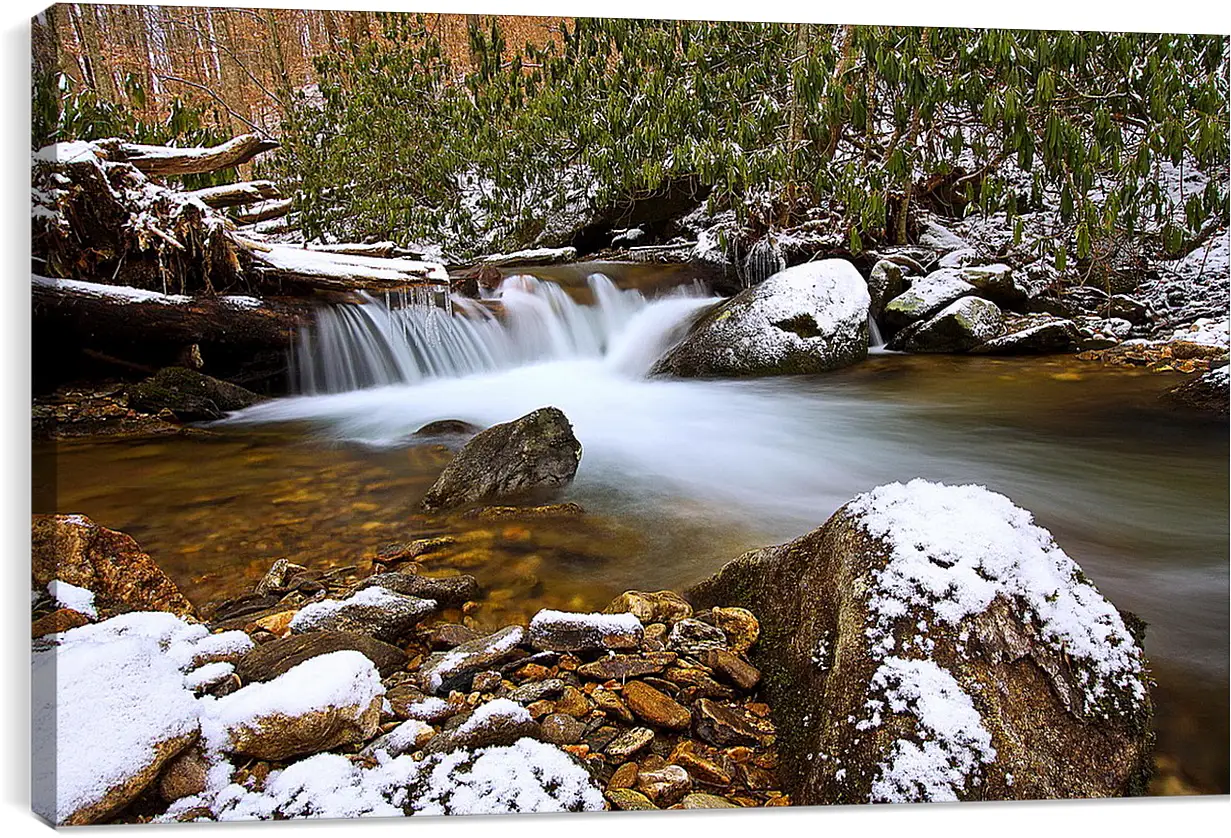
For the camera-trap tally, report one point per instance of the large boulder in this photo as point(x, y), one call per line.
point(884, 283)
point(1207, 392)
point(807, 319)
point(959, 327)
point(110, 564)
point(190, 395)
point(925, 297)
point(1033, 334)
point(930, 642)
point(998, 283)
point(531, 456)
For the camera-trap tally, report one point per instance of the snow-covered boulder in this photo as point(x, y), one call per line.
point(807, 319)
point(534, 455)
point(1033, 334)
point(498, 722)
point(109, 564)
point(322, 703)
point(940, 239)
point(959, 327)
point(930, 642)
point(377, 612)
point(111, 705)
point(884, 283)
point(1207, 392)
point(925, 297)
point(998, 283)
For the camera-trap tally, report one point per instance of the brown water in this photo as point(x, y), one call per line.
point(679, 477)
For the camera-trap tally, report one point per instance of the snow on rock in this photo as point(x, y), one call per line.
point(528, 776)
point(409, 736)
point(447, 670)
point(935, 237)
point(926, 296)
point(375, 611)
point(110, 707)
point(953, 744)
point(562, 631)
point(807, 319)
point(327, 701)
point(955, 549)
point(74, 597)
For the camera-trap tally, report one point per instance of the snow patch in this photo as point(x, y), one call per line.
point(71, 596)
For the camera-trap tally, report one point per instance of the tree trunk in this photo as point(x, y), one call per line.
point(263, 212)
point(237, 194)
point(163, 160)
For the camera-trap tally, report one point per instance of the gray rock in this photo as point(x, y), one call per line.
point(531, 456)
point(269, 660)
point(925, 297)
point(190, 395)
point(537, 691)
point(447, 591)
point(376, 612)
point(562, 631)
point(884, 283)
point(997, 283)
point(807, 319)
point(448, 428)
point(959, 327)
point(499, 722)
point(935, 237)
point(454, 669)
point(1033, 335)
point(629, 742)
point(692, 637)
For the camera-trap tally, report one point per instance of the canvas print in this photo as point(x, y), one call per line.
point(446, 414)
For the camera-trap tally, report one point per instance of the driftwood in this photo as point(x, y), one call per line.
point(380, 250)
point(163, 160)
point(263, 212)
point(281, 265)
point(105, 315)
point(236, 194)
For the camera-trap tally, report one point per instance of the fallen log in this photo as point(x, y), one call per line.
point(263, 212)
point(97, 315)
point(381, 250)
point(236, 194)
point(321, 270)
point(164, 160)
point(536, 256)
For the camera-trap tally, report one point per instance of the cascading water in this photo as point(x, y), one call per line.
point(378, 343)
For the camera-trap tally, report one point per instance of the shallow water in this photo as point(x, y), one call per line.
point(680, 476)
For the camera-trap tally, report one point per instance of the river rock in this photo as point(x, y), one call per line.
point(562, 729)
point(807, 319)
point(454, 669)
point(725, 727)
point(408, 737)
point(885, 282)
point(325, 702)
point(702, 768)
point(449, 428)
point(110, 564)
point(664, 786)
point(1207, 392)
point(448, 635)
point(629, 800)
point(498, 722)
point(57, 621)
point(269, 660)
point(691, 637)
point(929, 642)
point(533, 455)
point(655, 707)
point(997, 283)
point(609, 702)
point(925, 297)
point(563, 631)
point(184, 776)
point(959, 327)
point(622, 667)
point(739, 626)
point(629, 742)
point(657, 607)
point(377, 612)
point(190, 395)
point(731, 667)
point(446, 591)
point(537, 691)
point(701, 800)
point(1033, 335)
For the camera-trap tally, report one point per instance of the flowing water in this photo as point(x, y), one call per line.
point(678, 477)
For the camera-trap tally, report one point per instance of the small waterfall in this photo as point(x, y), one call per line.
point(402, 340)
point(875, 340)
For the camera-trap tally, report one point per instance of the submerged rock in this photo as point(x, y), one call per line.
point(959, 327)
point(190, 395)
point(533, 455)
point(448, 427)
point(929, 642)
point(110, 564)
point(807, 319)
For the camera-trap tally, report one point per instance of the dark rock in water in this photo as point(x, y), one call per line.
point(377, 612)
point(536, 454)
point(550, 510)
point(454, 669)
point(959, 327)
point(108, 563)
point(1208, 392)
point(448, 427)
point(888, 626)
point(397, 552)
point(1033, 335)
point(447, 591)
point(190, 395)
point(269, 660)
point(925, 297)
point(807, 319)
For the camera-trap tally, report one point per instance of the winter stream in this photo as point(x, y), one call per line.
point(678, 477)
